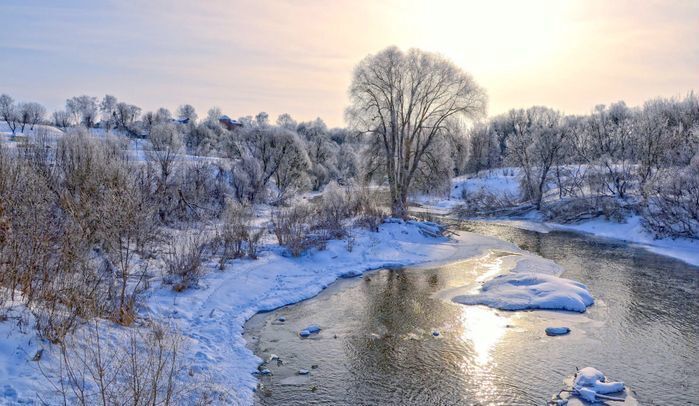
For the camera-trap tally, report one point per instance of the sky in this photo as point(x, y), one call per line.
point(297, 56)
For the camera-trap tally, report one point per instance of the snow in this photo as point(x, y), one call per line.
point(530, 290)
point(519, 280)
point(19, 375)
point(500, 182)
point(312, 329)
point(633, 231)
point(589, 383)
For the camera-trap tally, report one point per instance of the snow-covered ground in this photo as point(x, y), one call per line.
point(504, 182)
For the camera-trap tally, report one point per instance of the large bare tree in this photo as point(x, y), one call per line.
point(404, 101)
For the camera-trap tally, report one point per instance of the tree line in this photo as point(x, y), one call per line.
point(644, 158)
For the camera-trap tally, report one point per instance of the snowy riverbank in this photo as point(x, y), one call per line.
point(504, 183)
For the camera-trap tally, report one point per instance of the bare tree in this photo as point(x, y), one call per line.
point(61, 119)
point(108, 109)
point(126, 116)
point(8, 112)
point(187, 112)
point(166, 142)
point(83, 109)
point(30, 114)
point(404, 102)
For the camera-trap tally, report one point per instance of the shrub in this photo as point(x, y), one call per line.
point(292, 227)
point(238, 235)
point(141, 369)
point(672, 206)
point(183, 261)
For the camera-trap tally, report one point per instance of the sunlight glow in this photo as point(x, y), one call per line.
point(484, 328)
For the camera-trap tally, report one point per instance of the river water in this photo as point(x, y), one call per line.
point(378, 342)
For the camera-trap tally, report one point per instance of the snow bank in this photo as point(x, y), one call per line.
point(521, 281)
point(633, 231)
point(527, 290)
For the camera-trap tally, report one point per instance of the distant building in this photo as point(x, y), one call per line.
point(229, 123)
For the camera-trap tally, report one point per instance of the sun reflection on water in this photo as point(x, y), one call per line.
point(484, 328)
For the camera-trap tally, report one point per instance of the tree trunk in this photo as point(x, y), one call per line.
point(399, 205)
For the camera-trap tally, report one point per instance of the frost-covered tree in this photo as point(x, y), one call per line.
point(403, 101)
point(213, 115)
point(286, 121)
point(83, 109)
point(187, 112)
point(166, 142)
point(279, 155)
point(126, 115)
point(262, 119)
point(606, 141)
point(535, 145)
point(8, 112)
point(482, 148)
point(108, 109)
point(61, 119)
point(30, 113)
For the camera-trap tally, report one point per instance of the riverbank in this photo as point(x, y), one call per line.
point(503, 183)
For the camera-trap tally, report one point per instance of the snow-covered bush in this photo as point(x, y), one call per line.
point(576, 209)
point(183, 260)
point(238, 236)
point(143, 368)
point(486, 203)
point(672, 207)
point(334, 208)
point(292, 227)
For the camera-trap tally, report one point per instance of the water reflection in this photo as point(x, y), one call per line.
point(484, 328)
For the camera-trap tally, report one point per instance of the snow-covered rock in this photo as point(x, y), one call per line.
point(588, 376)
point(590, 383)
point(527, 290)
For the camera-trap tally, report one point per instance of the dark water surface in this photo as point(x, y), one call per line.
point(377, 344)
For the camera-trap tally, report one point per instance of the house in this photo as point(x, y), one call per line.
point(229, 123)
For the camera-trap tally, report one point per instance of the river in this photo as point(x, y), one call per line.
point(379, 342)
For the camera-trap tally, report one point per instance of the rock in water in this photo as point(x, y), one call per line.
point(312, 329)
point(589, 385)
point(588, 376)
point(557, 331)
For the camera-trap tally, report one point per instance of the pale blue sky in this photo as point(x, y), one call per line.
point(296, 56)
